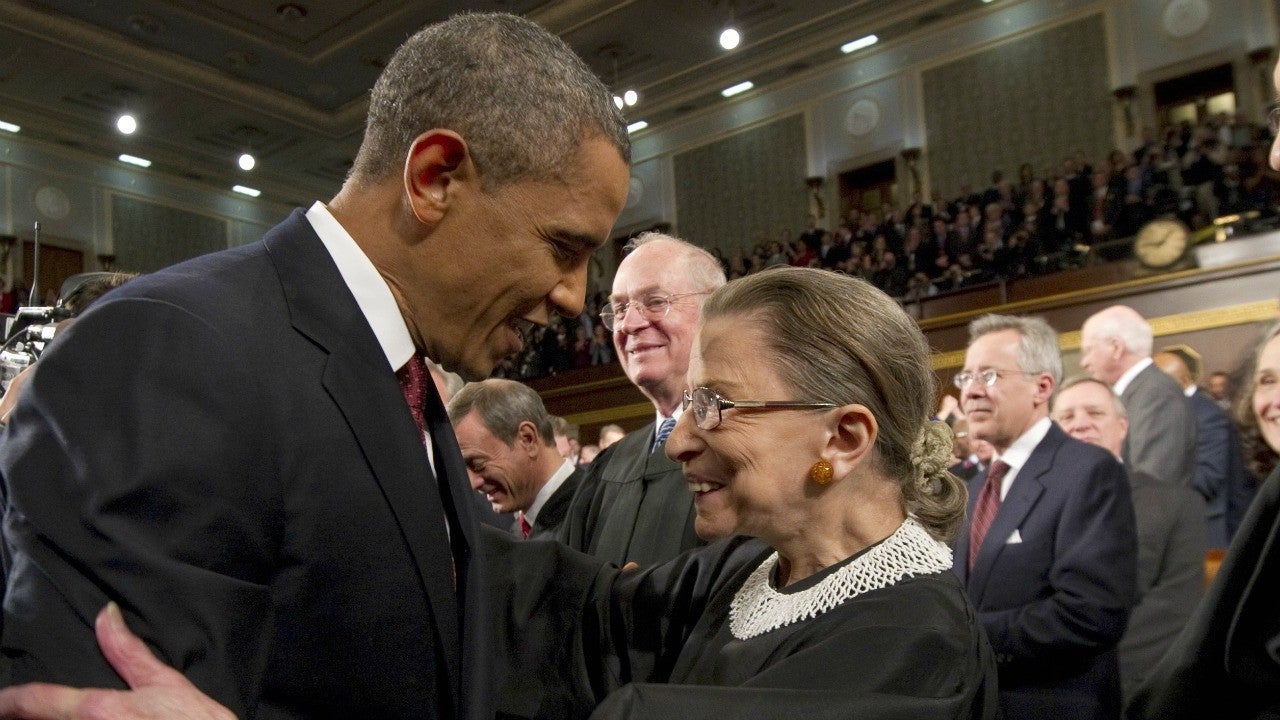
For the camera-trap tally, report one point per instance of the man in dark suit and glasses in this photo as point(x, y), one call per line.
point(1049, 555)
point(224, 448)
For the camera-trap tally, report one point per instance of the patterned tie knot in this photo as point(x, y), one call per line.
point(664, 431)
point(525, 527)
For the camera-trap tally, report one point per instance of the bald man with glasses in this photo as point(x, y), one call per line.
point(634, 505)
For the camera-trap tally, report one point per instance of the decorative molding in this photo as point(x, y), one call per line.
point(1086, 294)
point(1194, 321)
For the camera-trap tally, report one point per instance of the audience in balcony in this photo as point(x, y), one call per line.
point(1041, 223)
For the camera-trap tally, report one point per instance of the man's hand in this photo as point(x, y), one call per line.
point(157, 691)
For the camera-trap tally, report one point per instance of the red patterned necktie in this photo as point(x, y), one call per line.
point(984, 511)
point(413, 377)
point(525, 527)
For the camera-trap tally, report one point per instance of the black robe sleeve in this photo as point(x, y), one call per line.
point(656, 644)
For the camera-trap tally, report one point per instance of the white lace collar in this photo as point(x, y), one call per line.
point(757, 608)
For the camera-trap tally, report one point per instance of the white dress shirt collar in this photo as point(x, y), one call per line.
point(1020, 451)
point(1123, 383)
point(367, 286)
point(548, 489)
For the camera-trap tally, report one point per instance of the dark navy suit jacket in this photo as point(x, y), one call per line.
point(1055, 579)
point(1220, 476)
point(222, 449)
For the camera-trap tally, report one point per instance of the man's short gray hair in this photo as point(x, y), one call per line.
point(502, 405)
point(1037, 347)
point(1075, 380)
point(1130, 328)
point(519, 96)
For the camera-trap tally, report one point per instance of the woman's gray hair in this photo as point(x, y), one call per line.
point(519, 96)
point(834, 338)
point(1037, 347)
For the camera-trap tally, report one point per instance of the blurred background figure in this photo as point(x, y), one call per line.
point(1171, 532)
point(1220, 476)
point(1225, 661)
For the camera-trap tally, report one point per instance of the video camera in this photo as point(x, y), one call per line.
point(31, 329)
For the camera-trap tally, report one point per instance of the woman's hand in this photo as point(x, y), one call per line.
point(157, 691)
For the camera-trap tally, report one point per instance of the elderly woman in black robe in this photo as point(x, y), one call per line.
point(806, 441)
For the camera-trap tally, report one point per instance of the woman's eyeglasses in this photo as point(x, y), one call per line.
point(708, 405)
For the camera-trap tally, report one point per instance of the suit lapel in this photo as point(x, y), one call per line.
point(1027, 488)
point(365, 389)
point(553, 510)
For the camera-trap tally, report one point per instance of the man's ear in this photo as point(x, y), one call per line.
point(853, 436)
point(527, 438)
point(437, 160)
point(1044, 388)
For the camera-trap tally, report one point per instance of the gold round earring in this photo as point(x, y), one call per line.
point(822, 472)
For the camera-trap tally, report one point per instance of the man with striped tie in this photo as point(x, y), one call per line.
point(1049, 554)
point(634, 505)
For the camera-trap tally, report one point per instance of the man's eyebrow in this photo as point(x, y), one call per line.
point(573, 237)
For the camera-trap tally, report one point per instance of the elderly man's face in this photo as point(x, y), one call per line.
point(1087, 412)
point(654, 352)
point(1099, 357)
point(517, 254)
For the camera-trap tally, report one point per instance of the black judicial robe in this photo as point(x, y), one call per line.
point(656, 643)
point(1226, 661)
point(634, 505)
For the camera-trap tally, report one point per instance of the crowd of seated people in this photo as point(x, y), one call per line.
point(564, 344)
point(1039, 223)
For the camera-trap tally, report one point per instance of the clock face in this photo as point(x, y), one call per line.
point(1161, 243)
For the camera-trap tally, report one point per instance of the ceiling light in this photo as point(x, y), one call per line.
point(246, 190)
point(637, 126)
point(630, 97)
point(617, 100)
point(126, 124)
point(246, 161)
point(730, 38)
point(9, 127)
point(737, 89)
point(135, 160)
point(858, 44)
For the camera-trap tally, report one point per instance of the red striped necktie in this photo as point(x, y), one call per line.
point(984, 511)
